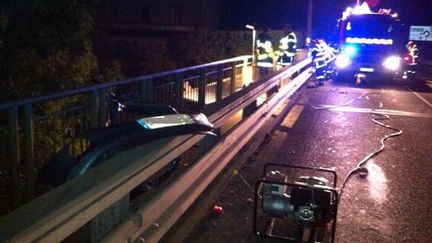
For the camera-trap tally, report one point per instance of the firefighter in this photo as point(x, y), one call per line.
point(287, 47)
point(264, 53)
point(322, 56)
point(413, 51)
point(410, 61)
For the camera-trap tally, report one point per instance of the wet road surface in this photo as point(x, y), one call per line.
point(392, 204)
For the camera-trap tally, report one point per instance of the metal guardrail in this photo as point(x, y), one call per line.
point(33, 130)
point(55, 215)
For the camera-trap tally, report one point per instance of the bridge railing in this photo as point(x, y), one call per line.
point(54, 216)
point(33, 130)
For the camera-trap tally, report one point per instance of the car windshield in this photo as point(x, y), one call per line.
point(371, 26)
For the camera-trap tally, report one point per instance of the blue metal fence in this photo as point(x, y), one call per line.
point(33, 130)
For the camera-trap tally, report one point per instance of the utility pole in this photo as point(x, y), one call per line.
point(309, 20)
point(251, 27)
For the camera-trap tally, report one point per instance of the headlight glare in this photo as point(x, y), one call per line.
point(392, 63)
point(342, 61)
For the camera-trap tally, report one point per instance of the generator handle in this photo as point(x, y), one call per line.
point(322, 169)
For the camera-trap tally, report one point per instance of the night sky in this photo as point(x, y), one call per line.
point(275, 13)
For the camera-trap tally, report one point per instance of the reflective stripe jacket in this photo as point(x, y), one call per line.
point(264, 51)
point(288, 45)
point(287, 49)
point(322, 54)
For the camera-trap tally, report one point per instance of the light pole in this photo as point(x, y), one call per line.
point(251, 27)
point(309, 20)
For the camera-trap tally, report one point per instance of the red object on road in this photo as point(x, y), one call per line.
point(217, 209)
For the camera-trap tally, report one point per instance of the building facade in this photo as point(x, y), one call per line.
point(152, 17)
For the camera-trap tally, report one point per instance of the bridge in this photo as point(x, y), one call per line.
point(237, 104)
point(276, 118)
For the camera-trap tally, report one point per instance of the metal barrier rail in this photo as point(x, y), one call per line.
point(30, 136)
point(57, 214)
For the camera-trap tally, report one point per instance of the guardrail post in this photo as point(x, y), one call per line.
point(274, 89)
point(248, 110)
point(219, 82)
point(28, 153)
point(253, 68)
point(207, 142)
point(93, 109)
point(108, 219)
point(179, 90)
point(233, 77)
point(15, 156)
point(202, 88)
point(146, 93)
point(102, 108)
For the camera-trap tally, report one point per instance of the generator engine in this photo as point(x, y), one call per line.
point(303, 210)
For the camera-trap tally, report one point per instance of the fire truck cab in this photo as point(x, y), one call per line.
point(370, 44)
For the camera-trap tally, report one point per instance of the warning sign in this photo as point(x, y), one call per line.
point(420, 33)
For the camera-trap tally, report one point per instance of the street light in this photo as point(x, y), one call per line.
point(251, 27)
point(309, 20)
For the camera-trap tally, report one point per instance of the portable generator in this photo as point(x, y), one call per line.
point(303, 210)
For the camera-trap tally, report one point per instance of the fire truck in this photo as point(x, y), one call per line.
point(371, 44)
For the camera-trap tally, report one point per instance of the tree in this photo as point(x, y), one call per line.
point(45, 46)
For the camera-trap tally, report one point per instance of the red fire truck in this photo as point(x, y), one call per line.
point(371, 44)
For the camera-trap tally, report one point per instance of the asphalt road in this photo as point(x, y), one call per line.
point(392, 204)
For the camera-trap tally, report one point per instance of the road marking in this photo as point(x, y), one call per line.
point(378, 111)
point(419, 96)
point(292, 116)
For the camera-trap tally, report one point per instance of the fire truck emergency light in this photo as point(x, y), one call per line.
point(350, 50)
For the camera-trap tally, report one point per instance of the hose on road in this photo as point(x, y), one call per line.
point(378, 119)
